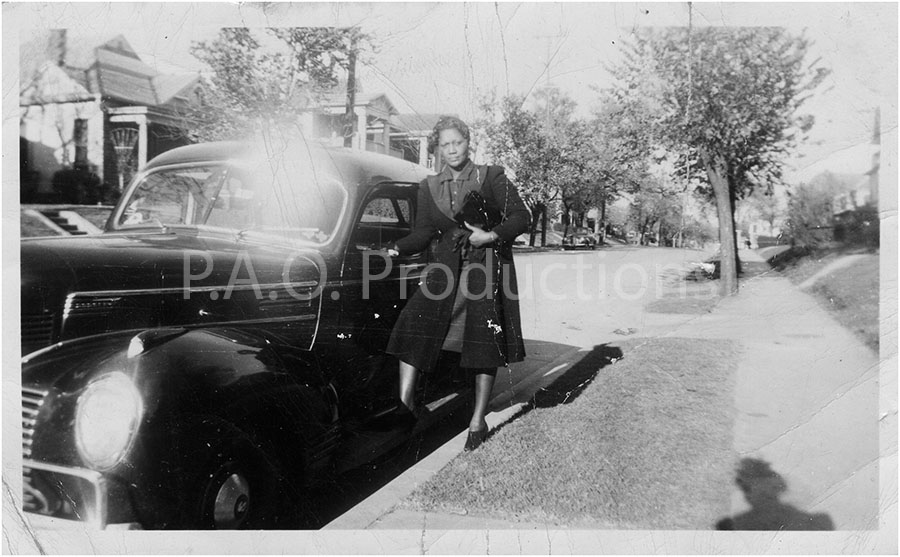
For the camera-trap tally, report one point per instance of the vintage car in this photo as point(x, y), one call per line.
point(579, 239)
point(220, 345)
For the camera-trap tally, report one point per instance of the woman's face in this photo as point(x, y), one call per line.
point(454, 147)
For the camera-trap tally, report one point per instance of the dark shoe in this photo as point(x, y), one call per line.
point(475, 439)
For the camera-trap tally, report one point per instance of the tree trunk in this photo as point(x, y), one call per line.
point(543, 225)
point(737, 257)
point(603, 217)
point(717, 171)
point(535, 215)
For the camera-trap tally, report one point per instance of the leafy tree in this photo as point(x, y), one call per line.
point(269, 79)
point(761, 205)
point(810, 209)
point(514, 137)
point(656, 203)
point(621, 144)
point(727, 99)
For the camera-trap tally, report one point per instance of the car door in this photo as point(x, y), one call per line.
point(375, 288)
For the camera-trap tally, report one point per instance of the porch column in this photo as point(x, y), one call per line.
point(142, 141)
point(359, 142)
point(423, 151)
point(386, 137)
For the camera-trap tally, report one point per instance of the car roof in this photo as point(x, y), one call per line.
point(355, 167)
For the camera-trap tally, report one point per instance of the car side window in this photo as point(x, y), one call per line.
point(384, 220)
point(233, 206)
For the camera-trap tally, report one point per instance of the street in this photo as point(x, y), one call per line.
point(581, 298)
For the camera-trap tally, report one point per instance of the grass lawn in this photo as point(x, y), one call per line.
point(849, 293)
point(31, 227)
point(645, 442)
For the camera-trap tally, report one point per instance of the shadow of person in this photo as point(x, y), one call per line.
point(762, 487)
point(568, 386)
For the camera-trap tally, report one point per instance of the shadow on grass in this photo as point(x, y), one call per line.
point(569, 386)
point(573, 382)
point(762, 487)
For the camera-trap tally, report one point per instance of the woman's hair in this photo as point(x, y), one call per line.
point(446, 123)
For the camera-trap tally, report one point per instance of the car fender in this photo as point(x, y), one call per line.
point(220, 375)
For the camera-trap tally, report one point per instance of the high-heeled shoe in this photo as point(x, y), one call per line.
point(475, 439)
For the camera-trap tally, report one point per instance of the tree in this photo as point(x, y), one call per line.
point(810, 209)
point(727, 100)
point(656, 203)
point(514, 137)
point(249, 83)
point(621, 143)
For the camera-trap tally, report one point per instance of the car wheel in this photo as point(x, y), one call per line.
point(236, 489)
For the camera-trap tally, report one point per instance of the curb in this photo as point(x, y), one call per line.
point(380, 503)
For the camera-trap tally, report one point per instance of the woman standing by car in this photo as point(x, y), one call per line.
point(468, 300)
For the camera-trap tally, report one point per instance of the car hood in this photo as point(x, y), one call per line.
point(117, 277)
point(116, 261)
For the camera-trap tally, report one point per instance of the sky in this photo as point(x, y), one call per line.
point(446, 57)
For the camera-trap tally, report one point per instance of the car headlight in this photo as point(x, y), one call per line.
point(109, 413)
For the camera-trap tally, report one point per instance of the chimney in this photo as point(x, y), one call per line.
point(876, 133)
point(58, 46)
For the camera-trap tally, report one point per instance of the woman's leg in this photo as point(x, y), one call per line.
point(408, 377)
point(484, 384)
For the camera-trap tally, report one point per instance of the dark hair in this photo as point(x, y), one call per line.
point(446, 123)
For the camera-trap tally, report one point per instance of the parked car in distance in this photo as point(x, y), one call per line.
point(219, 346)
point(581, 238)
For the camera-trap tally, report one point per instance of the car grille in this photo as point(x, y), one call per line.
point(37, 331)
point(32, 400)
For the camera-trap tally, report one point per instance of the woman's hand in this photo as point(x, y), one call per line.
point(479, 237)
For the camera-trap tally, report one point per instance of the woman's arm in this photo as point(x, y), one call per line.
point(516, 216)
point(423, 228)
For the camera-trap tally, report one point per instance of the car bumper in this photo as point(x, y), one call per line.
point(87, 487)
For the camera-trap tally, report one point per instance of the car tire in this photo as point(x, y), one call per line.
point(236, 489)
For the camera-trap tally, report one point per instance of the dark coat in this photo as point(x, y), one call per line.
point(493, 331)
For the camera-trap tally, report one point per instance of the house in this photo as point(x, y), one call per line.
point(98, 107)
point(95, 104)
point(378, 128)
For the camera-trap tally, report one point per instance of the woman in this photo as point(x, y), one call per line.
point(468, 302)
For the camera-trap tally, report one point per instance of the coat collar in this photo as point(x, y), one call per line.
point(466, 174)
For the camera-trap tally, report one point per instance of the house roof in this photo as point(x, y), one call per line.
point(337, 96)
point(416, 122)
point(115, 70)
point(52, 84)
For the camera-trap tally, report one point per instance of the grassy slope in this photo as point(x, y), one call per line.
point(647, 444)
point(31, 227)
point(850, 294)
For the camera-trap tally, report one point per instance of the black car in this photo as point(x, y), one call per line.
point(219, 346)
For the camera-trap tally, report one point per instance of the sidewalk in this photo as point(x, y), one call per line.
point(810, 400)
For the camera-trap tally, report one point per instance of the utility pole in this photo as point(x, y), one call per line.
point(687, 110)
point(349, 120)
point(547, 87)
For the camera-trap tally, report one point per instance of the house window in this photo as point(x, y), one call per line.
point(80, 139)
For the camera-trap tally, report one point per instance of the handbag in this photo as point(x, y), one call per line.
point(477, 211)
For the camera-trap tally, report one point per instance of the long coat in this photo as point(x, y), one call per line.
point(493, 330)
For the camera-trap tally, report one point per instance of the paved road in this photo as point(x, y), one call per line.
point(581, 298)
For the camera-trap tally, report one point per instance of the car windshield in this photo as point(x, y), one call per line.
point(282, 199)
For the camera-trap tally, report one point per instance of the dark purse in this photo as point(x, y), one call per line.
point(478, 212)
